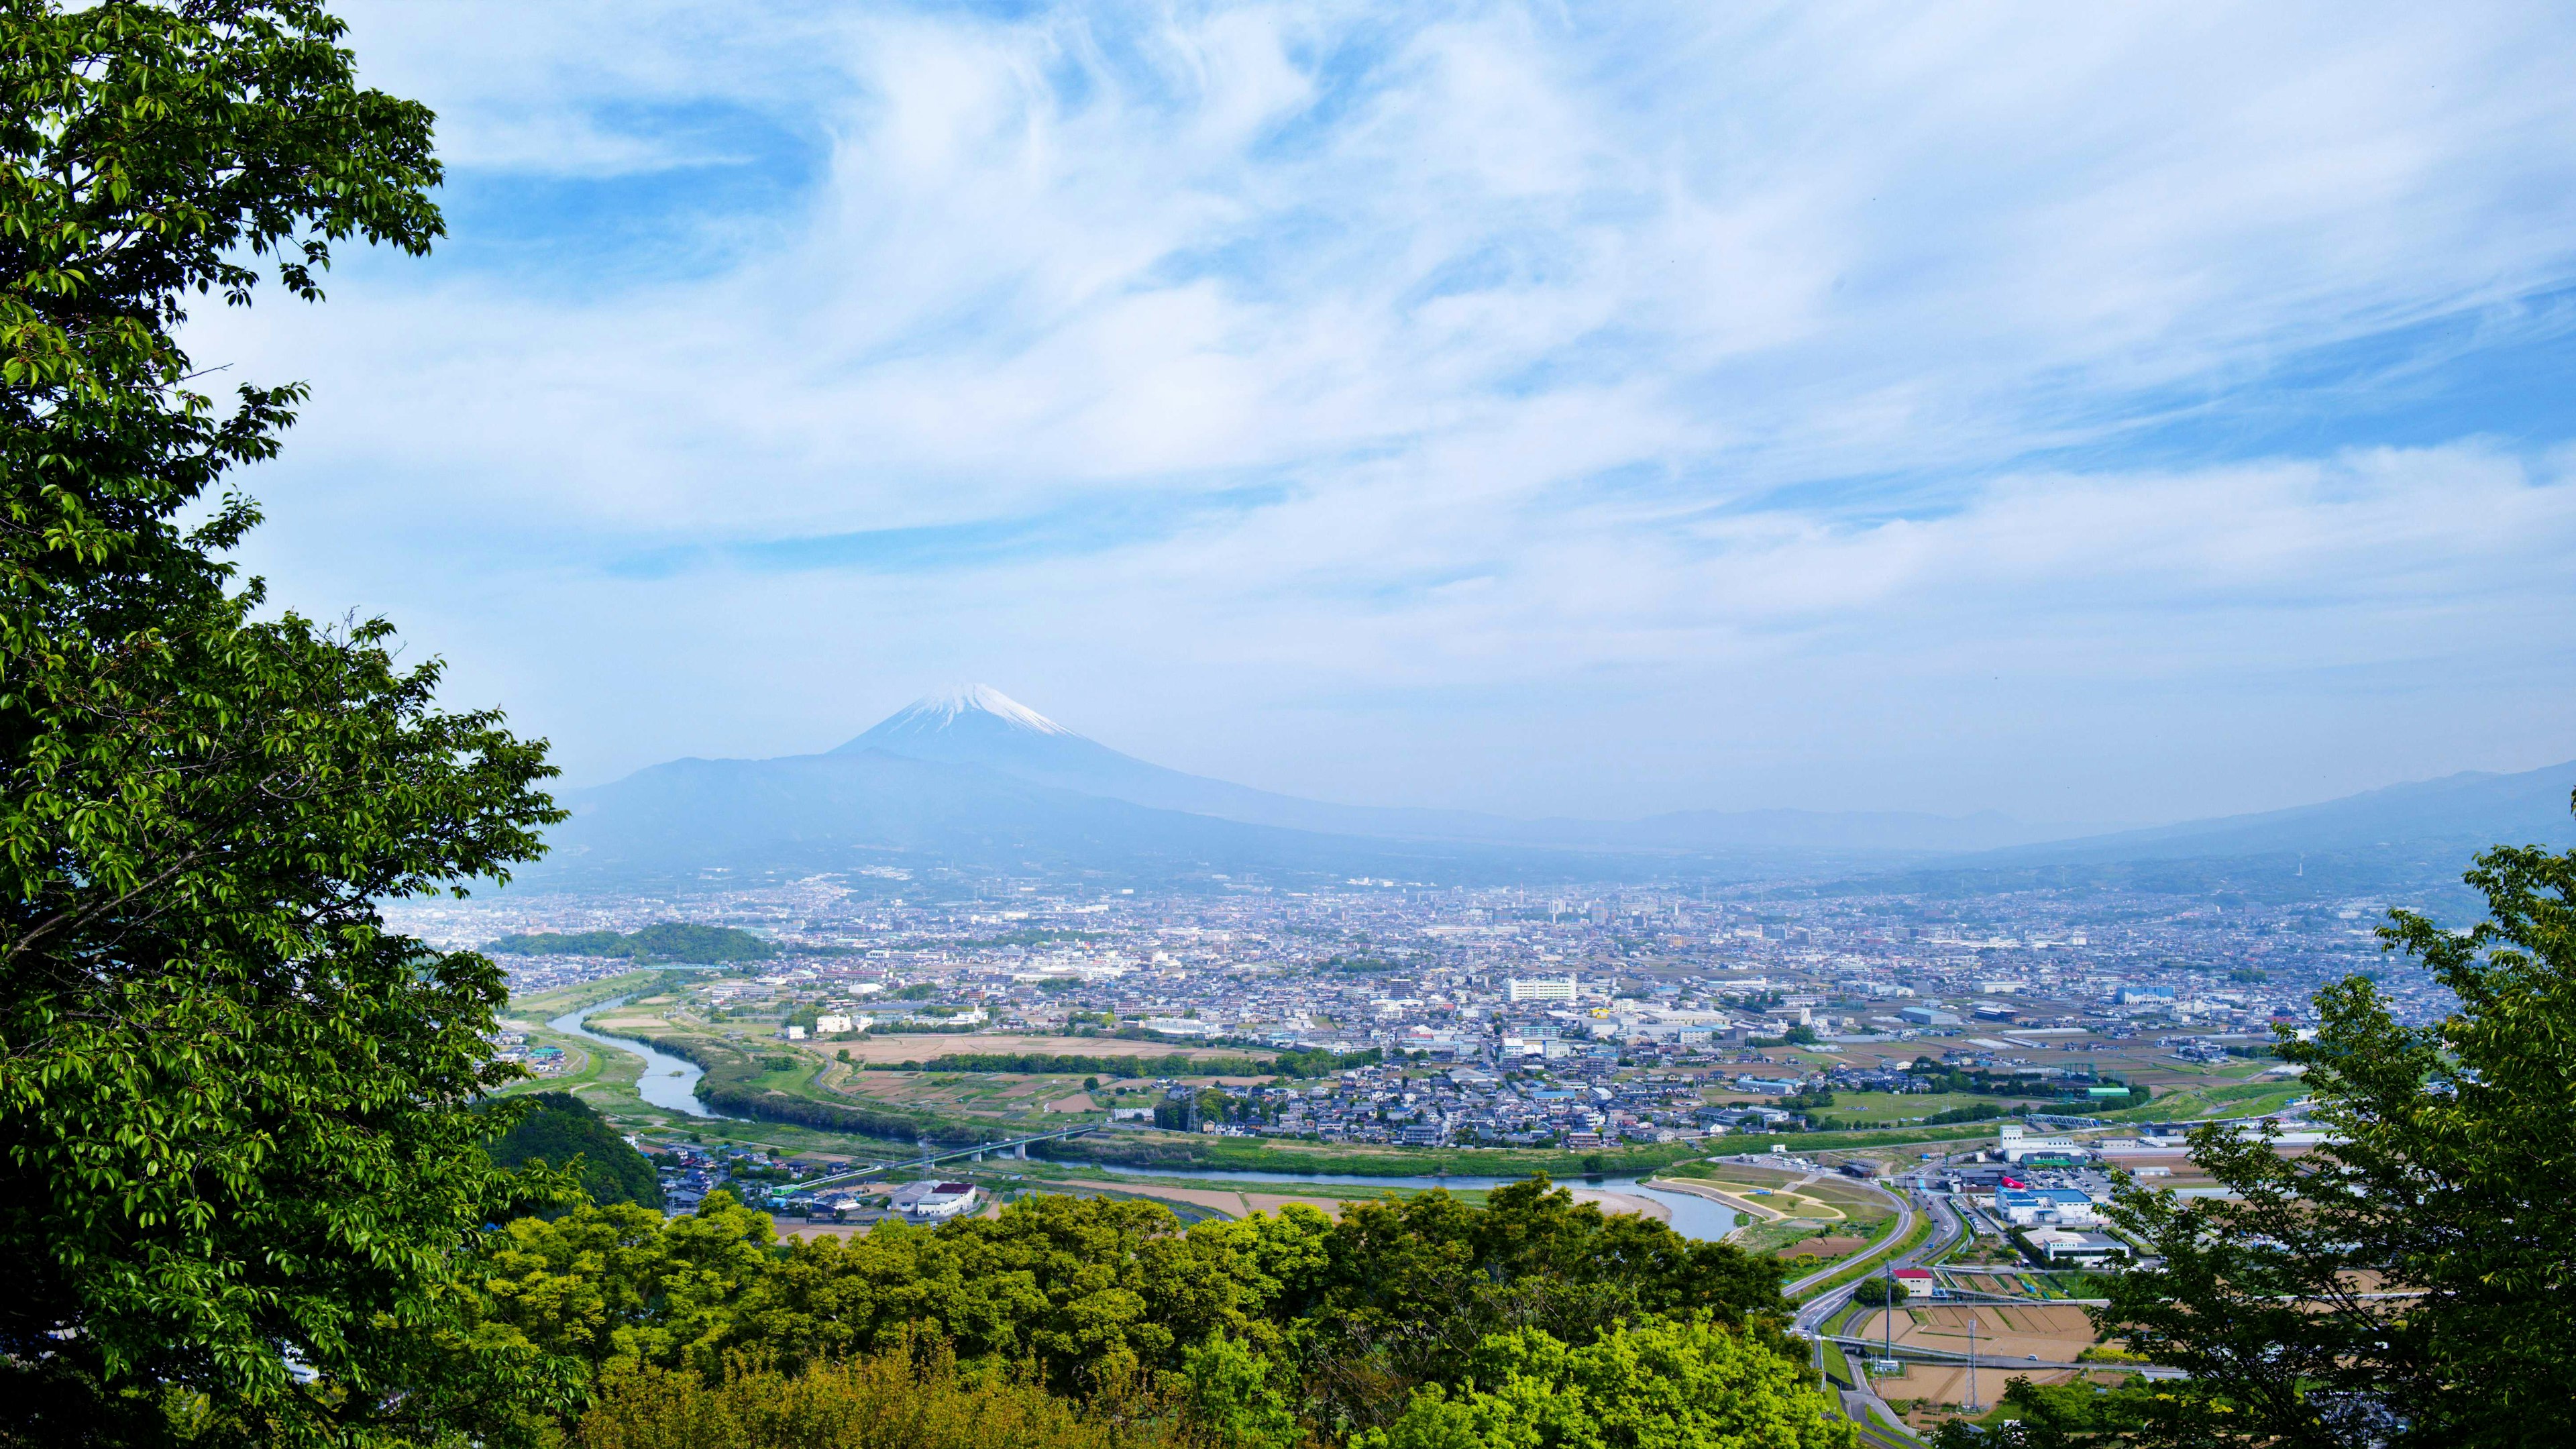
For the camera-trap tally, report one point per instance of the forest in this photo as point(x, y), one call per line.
point(1532, 1320)
point(674, 941)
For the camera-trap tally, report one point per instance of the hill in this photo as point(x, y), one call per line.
point(2413, 839)
point(561, 1127)
point(672, 941)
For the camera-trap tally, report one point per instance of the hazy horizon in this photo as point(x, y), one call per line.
point(2100, 419)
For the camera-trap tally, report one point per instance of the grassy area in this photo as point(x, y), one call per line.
point(599, 1075)
point(1915, 1236)
point(1279, 1155)
point(1835, 1364)
point(1891, 1109)
point(2237, 1099)
point(543, 1004)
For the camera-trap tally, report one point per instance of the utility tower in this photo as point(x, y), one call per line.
point(1973, 1407)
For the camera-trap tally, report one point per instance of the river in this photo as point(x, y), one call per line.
point(668, 1082)
point(672, 1084)
point(1693, 1217)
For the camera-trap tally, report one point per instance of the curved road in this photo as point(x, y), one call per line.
point(1860, 1404)
point(1904, 1225)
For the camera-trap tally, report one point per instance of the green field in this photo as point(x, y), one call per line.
point(2240, 1099)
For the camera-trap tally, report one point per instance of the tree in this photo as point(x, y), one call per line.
point(559, 1129)
point(1877, 1292)
point(1654, 1385)
point(2075, 1415)
point(237, 1157)
point(1411, 1288)
point(1231, 1396)
point(2403, 1283)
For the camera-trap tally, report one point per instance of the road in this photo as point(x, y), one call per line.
point(1945, 1229)
point(1860, 1404)
point(976, 1150)
point(1904, 1225)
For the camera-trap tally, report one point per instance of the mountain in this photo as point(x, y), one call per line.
point(974, 779)
point(2473, 809)
point(2413, 840)
point(689, 820)
point(981, 726)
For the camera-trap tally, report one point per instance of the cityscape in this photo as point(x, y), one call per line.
point(1502, 1018)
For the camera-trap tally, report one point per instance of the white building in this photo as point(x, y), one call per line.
point(1543, 988)
point(2053, 1207)
point(2056, 1244)
point(934, 1202)
point(2014, 1142)
point(837, 1022)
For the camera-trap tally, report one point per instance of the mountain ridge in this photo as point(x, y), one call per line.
point(973, 777)
point(980, 725)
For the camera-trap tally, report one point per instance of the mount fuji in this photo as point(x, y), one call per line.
point(973, 778)
point(981, 726)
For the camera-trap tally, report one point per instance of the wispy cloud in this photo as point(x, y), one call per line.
point(1738, 394)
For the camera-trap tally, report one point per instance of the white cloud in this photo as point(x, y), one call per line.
point(1575, 339)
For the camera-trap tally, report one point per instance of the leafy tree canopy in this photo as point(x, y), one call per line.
point(1658, 1385)
point(1350, 1316)
point(558, 1129)
point(237, 1160)
point(666, 941)
point(2402, 1284)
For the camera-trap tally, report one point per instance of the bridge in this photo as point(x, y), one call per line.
point(1012, 1147)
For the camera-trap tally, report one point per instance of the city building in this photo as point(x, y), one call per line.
point(934, 1202)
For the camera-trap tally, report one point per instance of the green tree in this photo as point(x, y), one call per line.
point(2075, 1415)
point(1412, 1286)
point(2401, 1284)
point(1657, 1384)
point(237, 1156)
point(914, 1396)
point(1878, 1292)
point(559, 1129)
point(1234, 1399)
point(1092, 1292)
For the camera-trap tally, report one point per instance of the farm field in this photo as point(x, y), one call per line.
point(1888, 1109)
point(2035, 1342)
point(922, 1047)
point(2054, 1333)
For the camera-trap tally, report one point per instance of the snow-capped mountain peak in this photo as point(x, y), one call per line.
point(943, 711)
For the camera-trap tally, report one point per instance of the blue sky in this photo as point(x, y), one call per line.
point(2103, 416)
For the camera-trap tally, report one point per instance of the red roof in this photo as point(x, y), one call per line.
point(1913, 1272)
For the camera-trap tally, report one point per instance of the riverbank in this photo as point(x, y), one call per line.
point(1289, 1157)
point(1744, 1206)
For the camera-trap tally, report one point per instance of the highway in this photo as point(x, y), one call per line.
point(1015, 1145)
point(1869, 1414)
point(1904, 1225)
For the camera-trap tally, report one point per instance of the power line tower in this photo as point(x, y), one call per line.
point(1887, 1275)
point(1974, 1408)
